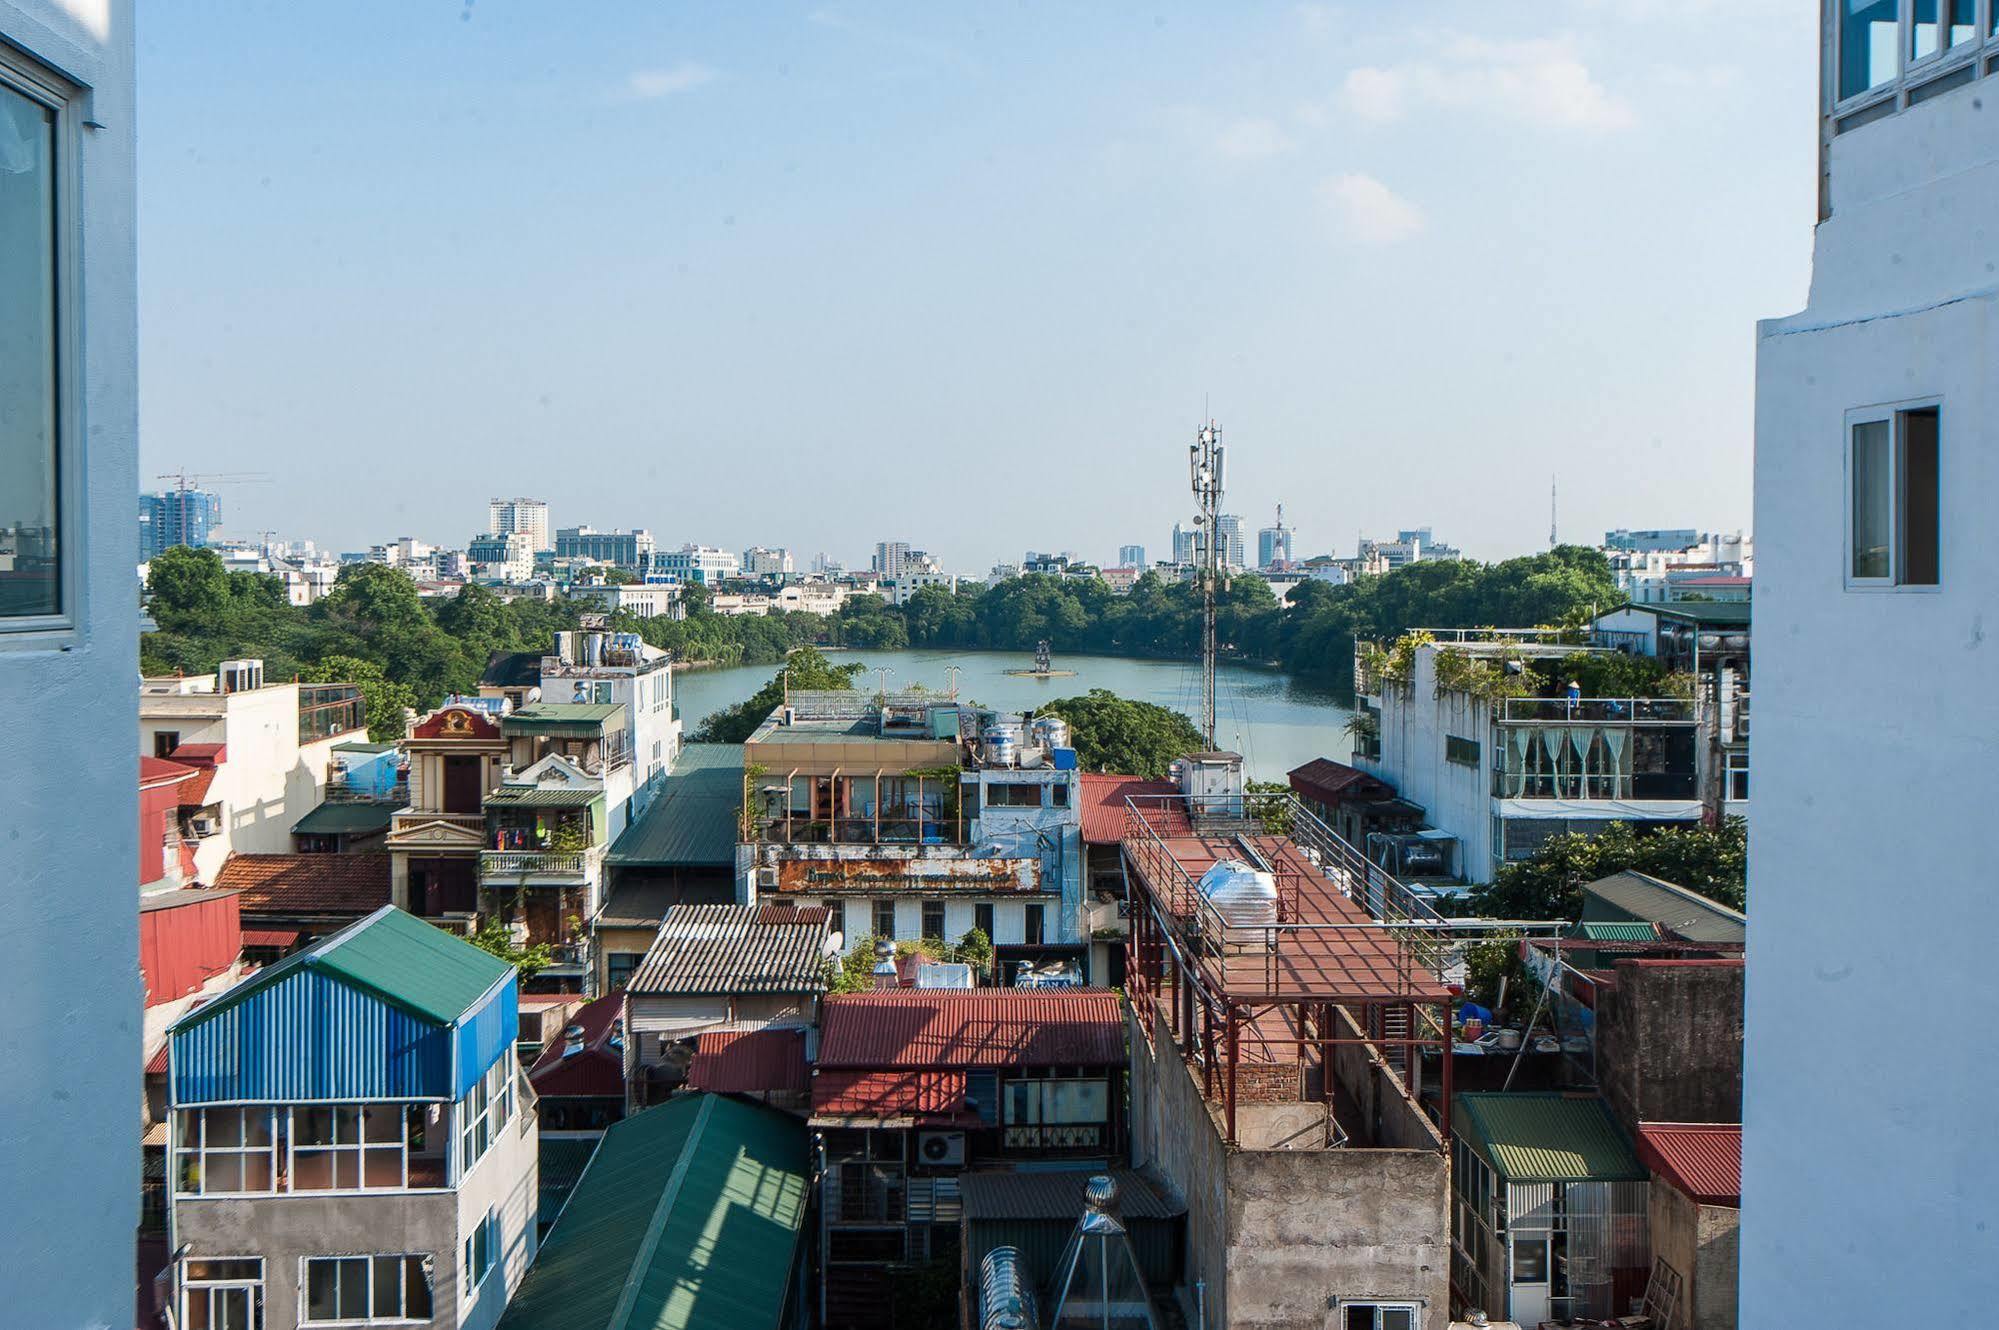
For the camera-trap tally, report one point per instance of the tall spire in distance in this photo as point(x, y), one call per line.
point(1553, 538)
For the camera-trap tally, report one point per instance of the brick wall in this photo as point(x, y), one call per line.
point(1268, 1082)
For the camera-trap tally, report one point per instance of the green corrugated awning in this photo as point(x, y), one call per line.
point(688, 1217)
point(355, 817)
point(535, 796)
point(1606, 930)
point(693, 821)
point(1546, 1138)
point(550, 717)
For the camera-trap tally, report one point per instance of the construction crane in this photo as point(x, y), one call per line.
point(186, 482)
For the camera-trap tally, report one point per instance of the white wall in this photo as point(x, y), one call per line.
point(1457, 799)
point(69, 964)
point(504, 1182)
point(1868, 1182)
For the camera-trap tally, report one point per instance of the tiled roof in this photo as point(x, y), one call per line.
point(749, 1062)
point(194, 794)
point(1702, 1159)
point(995, 1027)
point(1059, 1195)
point(308, 884)
point(888, 1094)
point(693, 822)
point(1103, 799)
point(1548, 1137)
point(688, 1216)
point(1330, 782)
point(599, 1070)
point(709, 949)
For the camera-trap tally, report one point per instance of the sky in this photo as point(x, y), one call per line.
point(968, 276)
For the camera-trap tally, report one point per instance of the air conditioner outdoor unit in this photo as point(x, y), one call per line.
point(940, 1147)
point(767, 878)
point(203, 826)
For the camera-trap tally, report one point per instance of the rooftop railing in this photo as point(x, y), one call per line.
point(1612, 710)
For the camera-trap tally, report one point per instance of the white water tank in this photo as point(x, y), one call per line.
point(1243, 895)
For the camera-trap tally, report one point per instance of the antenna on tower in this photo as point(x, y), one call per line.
point(1553, 539)
point(1204, 465)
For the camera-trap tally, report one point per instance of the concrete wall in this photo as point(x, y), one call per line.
point(1871, 884)
point(505, 1183)
point(1414, 724)
point(1281, 1236)
point(69, 957)
point(1669, 1043)
point(1699, 1241)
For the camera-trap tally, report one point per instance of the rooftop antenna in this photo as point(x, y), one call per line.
point(1205, 457)
point(1553, 539)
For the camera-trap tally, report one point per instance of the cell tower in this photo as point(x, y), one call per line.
point(1204, 468)
point(1553, 539)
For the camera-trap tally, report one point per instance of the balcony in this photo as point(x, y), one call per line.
point(1613, 710)
point(527, 867)
point(801, 830)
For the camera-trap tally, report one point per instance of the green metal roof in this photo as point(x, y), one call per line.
point(1546, 1138)
point(356, 746)
point(398, 957)
point(543, 715)
point(1630, 895)
point(534, 796)
point(560, 1164)
point(346, 818)
point(687, 1218)
point(1608, 930)
point(693, 821)
point(1720, 613)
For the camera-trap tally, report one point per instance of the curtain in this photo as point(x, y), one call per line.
point(1615, 739)
point(1517, 740)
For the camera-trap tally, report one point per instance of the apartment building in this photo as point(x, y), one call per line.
point(760, 561)
point(351, 1138)
point(1876, 438)
point(526, 516)
point(631, 550)
point(704, 565)
point(262, 750)
point(501, 557)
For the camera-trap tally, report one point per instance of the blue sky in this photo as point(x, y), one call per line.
point(820, 275)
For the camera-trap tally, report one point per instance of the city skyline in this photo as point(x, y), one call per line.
point(1354, 177)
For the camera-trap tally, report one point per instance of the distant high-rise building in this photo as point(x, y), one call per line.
point(1415, 545)
point(1644, 542)
point(1131, 556)
point(1186, 544)
point(759, 561)
point(1273, 547)
point(1228, 529)
point(890, 555)
point(176, 517)
point(506, 516)
point(626, 549)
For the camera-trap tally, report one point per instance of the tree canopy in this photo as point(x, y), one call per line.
point(1113, 733)
point(1549, 885)
point(807, 670)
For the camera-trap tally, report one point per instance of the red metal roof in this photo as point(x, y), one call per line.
point(156, 1065)
point(991, 1027)
point(749, 1062)
point(1702, 1159)
point(599, 1070)
point(201, 755)
point(1103, 803)
point(308, 884)
point(270, 937)
point(888, 1094)
point(159, 771)
point(1331, 782)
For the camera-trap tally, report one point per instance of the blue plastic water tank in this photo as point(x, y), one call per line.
point(1065, 758)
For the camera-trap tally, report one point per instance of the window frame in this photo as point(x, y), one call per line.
point(37, 82)
point(1413, 1306)
point(255, 1287)
point(1895, 416)
point(1912, 72)
point(484, 1235)
point(305, 1264)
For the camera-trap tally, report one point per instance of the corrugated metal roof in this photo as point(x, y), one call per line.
point(887, 1094)
point(346, 818)
point(1684, 913)
point(536, 796)
point(1103, 807)
point(561, 1162)
point(749, 1062)
point(687, 1218)
point(557, 715)
point(1702, 1159)
point(692, 823)
point(599, 1070)
point(707, 949)
point(1546, 1137)
point(638, 904)
point(992, 1027)
point(1059, 1195)
point(1332, 782)
point(1617, 930)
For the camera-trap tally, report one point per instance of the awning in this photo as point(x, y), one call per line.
point(281, 938)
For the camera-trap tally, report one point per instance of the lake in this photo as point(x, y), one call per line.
point(1273, 720)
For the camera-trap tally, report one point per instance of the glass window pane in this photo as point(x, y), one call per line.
point(383, 1167)
point(1023, 1101)
point(1868, 37)
point(347, 1124)
point(312, 1126)
point(28, 551)
point(388, 1287)
point(1963, 21)
point(320, 1304)
point(222, 1173)
point(1919, 498)
point(232, 1307)
point(1873, 498)
point(1924, 34)
point(382, 1124)
point(257, 1172)
point(354, 1288)
point(1530, 1259)
point(257, 1126)
point(416, 1290)
point(225, 1127)
point(1398, 1318)
point(1360, 1316)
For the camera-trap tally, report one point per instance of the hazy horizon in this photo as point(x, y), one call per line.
point(818, 276)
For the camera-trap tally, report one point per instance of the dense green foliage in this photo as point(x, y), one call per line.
point(806, 670)
point(1113, 733)
point(855, 972)
point(1711, 861)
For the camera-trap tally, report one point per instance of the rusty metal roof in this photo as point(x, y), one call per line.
point(710, 949)
point(1702, 1159)
point(749, 1062)
point(1103, 807)
point(875, 875)
point(989, 1027)
point(887, 1094)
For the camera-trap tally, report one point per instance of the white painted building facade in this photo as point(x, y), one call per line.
point(1867, 1183)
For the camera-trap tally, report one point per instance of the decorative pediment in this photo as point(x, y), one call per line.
point(418, 833)
point(555, 771)
point(456, 723)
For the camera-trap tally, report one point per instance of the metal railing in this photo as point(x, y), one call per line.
point(1612, 710)
point(860, 831)
point(536, 863)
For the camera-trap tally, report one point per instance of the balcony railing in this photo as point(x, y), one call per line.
point(927, 830)
point(537, 863)
point(1631, 710)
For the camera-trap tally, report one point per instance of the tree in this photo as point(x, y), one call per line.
point(1713, 861)
point(807, 670)
point(187, 584)
point(497, 939)
point(1113, 733)
point(386, 700)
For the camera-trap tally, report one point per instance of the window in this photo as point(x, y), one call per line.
point(619, 967)
point(226, 1151)
point(1738, 777)
point(982, 919)
point(1035, 911)
point(32, 229)
point(347, 1147)
point(1893, 485)
point(933, 919)
point(1012, 794)
point(1055, 1114)
point(1463, 752)
point(483, 1111)
point(1379, 1315)
point(885, 919)
point(365, 1289)
point(164, 742)
point(223, 1294)
point(1058, 796)
point(481, 1246)
point(1869, 31)
point(1942, 24)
